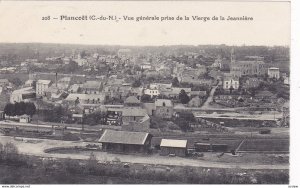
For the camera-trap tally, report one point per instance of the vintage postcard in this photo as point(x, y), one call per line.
point(152, 92)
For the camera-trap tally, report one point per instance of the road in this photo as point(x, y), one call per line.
point(206, 104)
point(37, 149)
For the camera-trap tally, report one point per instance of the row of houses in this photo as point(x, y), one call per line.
point(232, 81)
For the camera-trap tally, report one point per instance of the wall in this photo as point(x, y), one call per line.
point(181, 152)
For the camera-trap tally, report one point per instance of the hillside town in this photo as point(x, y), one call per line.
point(208, 106)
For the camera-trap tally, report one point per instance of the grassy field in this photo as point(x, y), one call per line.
point(10, 76)
point(277, 145)
point(88, 172)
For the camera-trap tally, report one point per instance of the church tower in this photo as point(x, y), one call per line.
point(232, 58)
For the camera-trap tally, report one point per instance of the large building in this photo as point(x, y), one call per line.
point(252, 66)
point(92, 87)
point(242, 68)
point(125, 141)
point(230, 83)
point(163, 108)
point(135, 119)
point(24, 94)
point(273, 72)
point(42, 86)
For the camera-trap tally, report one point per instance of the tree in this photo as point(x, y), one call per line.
point(146, 98)
point(1, 150)
point(71, 67)
point(183, 124)
point(9, 109)
point(10, 151)
point(91, 164)
point(55, 114)
point(136, 83)
point(183, 97)
point(22, 108)
point(16, 81)
point(175, 82)
point(77, 101)
point(30, 109)
point(17, 108)
point(10, 148)
point(252, 91)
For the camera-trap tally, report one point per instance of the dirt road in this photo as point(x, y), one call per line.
point(206, 104)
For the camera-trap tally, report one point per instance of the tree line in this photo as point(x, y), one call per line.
point(20, 108)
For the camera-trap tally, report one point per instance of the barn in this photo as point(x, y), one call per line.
point(173, 147)
point(125, 141)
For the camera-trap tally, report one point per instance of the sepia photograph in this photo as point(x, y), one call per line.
point(153, 92)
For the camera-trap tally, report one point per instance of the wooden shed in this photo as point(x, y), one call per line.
point(173, 147)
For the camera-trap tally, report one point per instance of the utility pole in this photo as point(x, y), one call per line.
point(82, 125)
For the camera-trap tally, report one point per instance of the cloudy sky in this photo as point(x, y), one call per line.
point(22, 22)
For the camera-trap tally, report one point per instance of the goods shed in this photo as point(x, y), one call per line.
point(125, 141)
point(173, 147)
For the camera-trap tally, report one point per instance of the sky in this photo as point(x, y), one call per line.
point(21, 22)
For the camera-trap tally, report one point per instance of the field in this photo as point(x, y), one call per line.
point(262, 145)
point(10, 76)
point(35, 171)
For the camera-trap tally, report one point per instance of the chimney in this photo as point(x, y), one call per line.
point(56, 79)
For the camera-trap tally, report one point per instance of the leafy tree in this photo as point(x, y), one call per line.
point(252, 91)
point(71, 67)
point(1, 149)
point(16, 81)
point(183, 97)
point(146, 98)
point(10, 151)
point(91, 163)
point(72, 166)
point(22, 107)
point(183, 124)
point(30, 109)
point(136, 83)
point(188, 116)
point(10, 148)
point(55, 114)
point(17, 109)
point(175, 82)
point(9, 109)
point(231, 89)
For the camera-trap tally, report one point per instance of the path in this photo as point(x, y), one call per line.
point(206, 104)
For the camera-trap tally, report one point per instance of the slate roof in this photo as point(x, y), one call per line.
point(124, 137)
point(91, 84)
point(44, 82)
point(132, 100)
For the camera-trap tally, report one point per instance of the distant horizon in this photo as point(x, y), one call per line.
point(164, 45)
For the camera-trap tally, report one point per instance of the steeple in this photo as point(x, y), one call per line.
point(232, 56)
